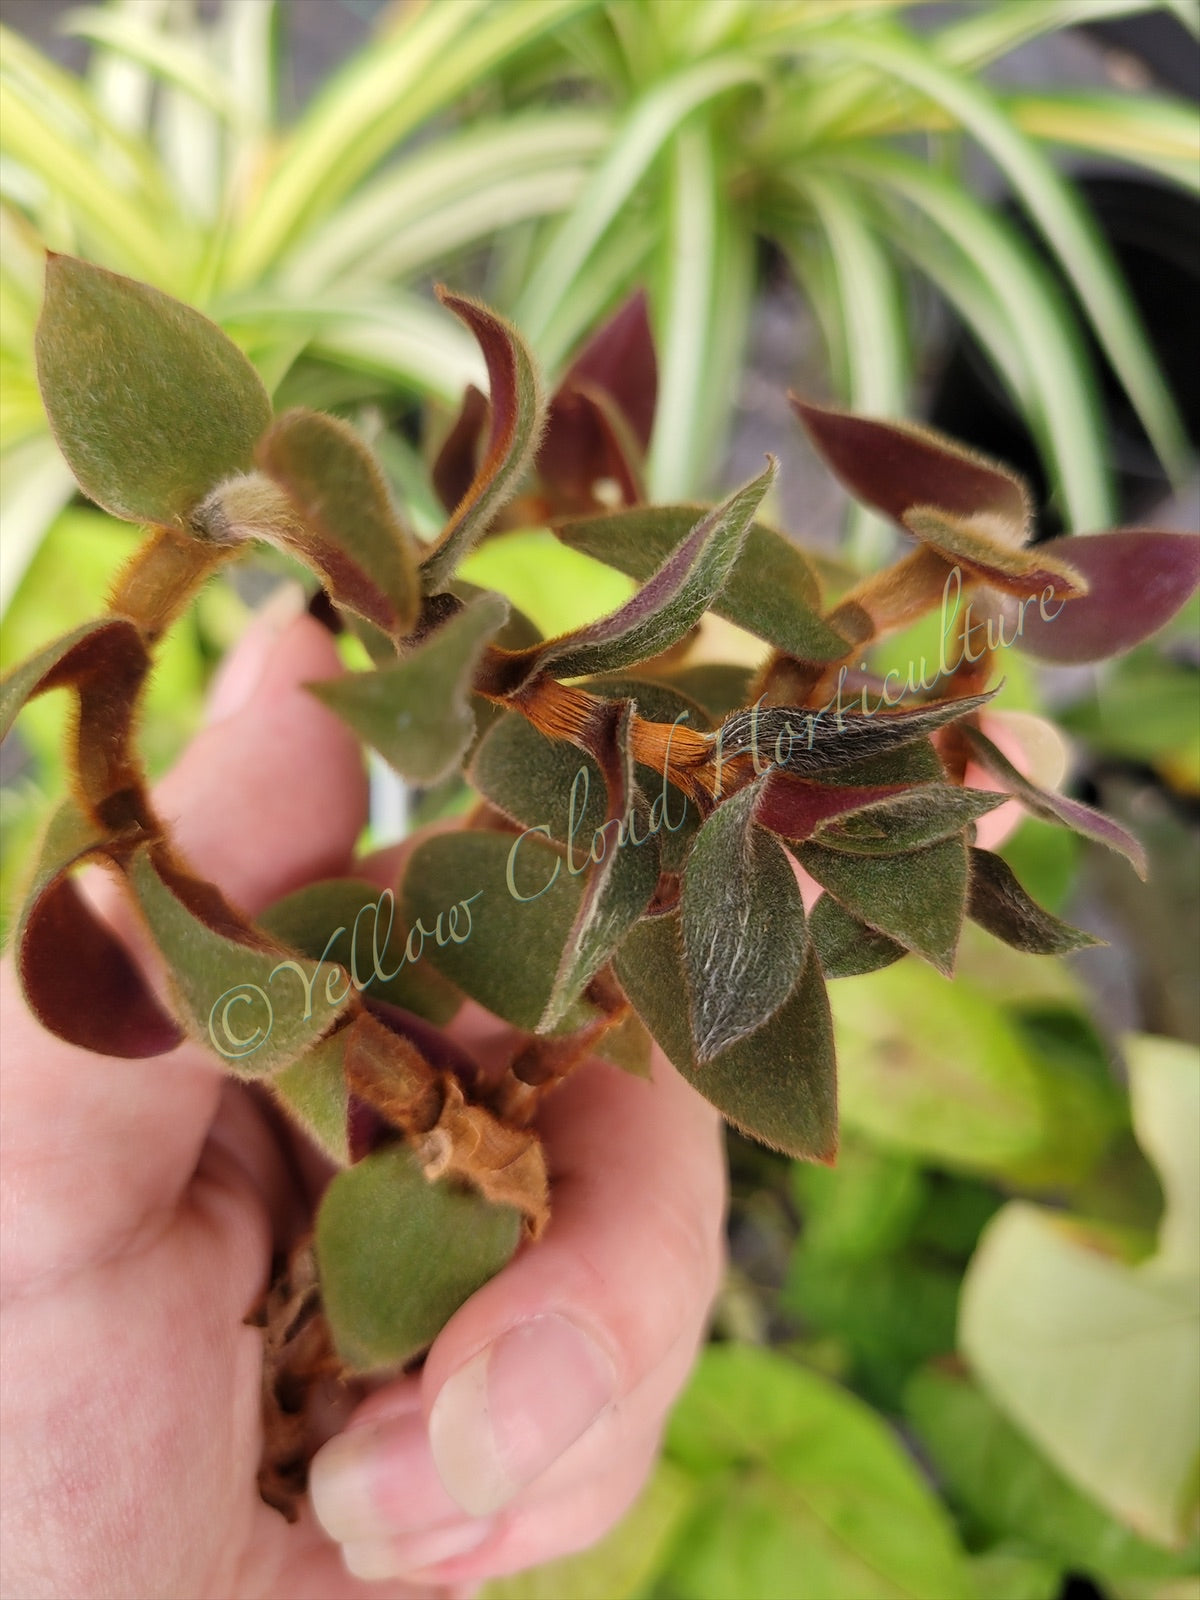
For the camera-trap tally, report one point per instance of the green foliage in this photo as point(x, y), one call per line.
point(398, 1255)
point(148, 452)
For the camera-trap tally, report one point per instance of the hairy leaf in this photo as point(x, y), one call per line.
point(907, 821)
point(257, 1005)
point(79, 980)
point(1052, 807)
point(777, 1084)
point(998, 903)
point(742, 922)
point(918, 898)
point(314, 1091)
point(522, 900)
point(397, 1256)
point(622, 880)
point(355, 924)
point(796, 807)
point(771, 591)
point(416, 713)
point(671, 602)
point(539, 781)
point(349, 528)
point(83, 651)
point(151, 404)
point(847, 947)
point(516, 417)
point(978, 544)
point(893, 466)
point(1137, 580)
point(813, 743)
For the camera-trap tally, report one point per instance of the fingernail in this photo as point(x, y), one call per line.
point(509, 1414)
point(373, 1559)
point(379, 1482)
point(241, 672)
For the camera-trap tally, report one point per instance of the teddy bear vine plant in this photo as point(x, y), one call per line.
point(629, 871)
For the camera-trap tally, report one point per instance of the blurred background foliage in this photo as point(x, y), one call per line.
point(964, 1362)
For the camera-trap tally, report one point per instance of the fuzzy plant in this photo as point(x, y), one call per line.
point(646, 828)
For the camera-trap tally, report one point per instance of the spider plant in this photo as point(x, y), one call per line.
point(600, 145)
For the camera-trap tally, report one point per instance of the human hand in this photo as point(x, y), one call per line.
point(141, 1202)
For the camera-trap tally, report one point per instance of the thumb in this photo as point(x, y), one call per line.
point(269, 795)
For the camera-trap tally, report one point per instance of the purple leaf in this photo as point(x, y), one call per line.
point(1053, 807)
point(1138, 578)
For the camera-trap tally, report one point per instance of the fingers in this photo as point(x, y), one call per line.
point(268, 795)
point(555, 1377)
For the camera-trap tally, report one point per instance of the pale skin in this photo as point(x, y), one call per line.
point(140, 1201)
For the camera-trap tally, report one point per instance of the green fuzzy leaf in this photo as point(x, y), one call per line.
point(910, 821)
point(918, 898)
point(532, 779)
point(915, 762)
point(340, 495)
point(151, 404)
point(627, 1046)
point(416, 713)
point(354, 923)
point(257, 1007)
point(508, 959)
point(314, 1091)
point(397, 1256)
point(656, 702)
point(772, 591)
point(718, 686)
point(846, 946)
point(59, 664)
point(672, 601)
point(516, 413)
point(998, 903)
point(778, 1084)
point(977, 545)
point(743, 925)
point(621, 883)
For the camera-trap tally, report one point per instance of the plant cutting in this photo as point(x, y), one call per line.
point(643, 822)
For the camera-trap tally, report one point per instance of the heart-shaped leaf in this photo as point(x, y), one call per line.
point(772, 591)
point(397, 1256)
point(998, 903)
point(349, 529)
point(847, 947)
point(151, 404)
point(918, 898)
point(516, 418)
point(907, 821)
point(1052, 807)
point(416, 713)
point(893, 466)
point(778, 1084)
point(743, 926)
point(671, 602)
point(1137, 580)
